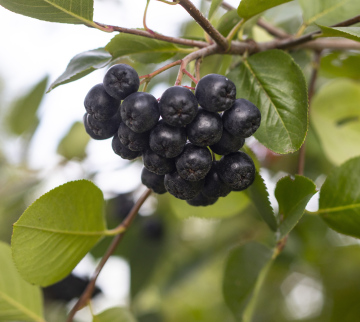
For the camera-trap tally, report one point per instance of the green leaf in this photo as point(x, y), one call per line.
point(114, 314)
point(215, 4)
point(229, 206)
point(352, 33)
point(22, 116)
point(144, 50)
point(328, 12)
point(82, 65)
point(64, 11)
point(19, 300)
point(227, 22)
point(245, 271)
point(292, 196)
point(250, 8)
point(73, 144)
point(335, 115)
point(260, 198)
point(57, 231)
point(340, 64)
point(339, 204)
point(276, 85)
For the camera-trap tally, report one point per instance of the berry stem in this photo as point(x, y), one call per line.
point(144, 18)
point(86, 295)
point(148, 77)
point(191, 76)
point(189, 87)
point(197, 68)
point(169, 2)
point(235, 30)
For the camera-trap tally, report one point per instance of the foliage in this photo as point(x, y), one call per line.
point(228, 261)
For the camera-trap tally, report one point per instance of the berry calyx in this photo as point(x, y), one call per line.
point(120, 81)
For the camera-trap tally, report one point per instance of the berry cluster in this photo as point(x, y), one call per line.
point(175, 149)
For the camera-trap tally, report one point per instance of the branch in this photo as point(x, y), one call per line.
point(144, 33)
point(210, 50)
point(272, 30)
point(205, 24)
point(84, 298)
point(314, 74)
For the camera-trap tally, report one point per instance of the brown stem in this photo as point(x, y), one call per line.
point(210, 50)
point(205, 24)
point(144, 33)
point(272, 30)
point(85, 297)
point(314, 74)
point(197, 68)
point(160, 70)
point(191, 76)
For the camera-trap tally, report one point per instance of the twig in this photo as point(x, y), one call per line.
point(84, 298)
point(209, 50)
point(148, 77)
point(144, 33)
point(314, 74)
point(272, 30)
point(205, 24)
point(197, 68)
point(190, 76)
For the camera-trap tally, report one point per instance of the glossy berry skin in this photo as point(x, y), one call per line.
point(122, 150)
point(101, 130)
point(178, 106)
point(215, 93)
point(120, 81)
point(166, 140)
point(100, 104)
point(227, 144)
point(214, 187)
point(206, 129)
point(153, 181)
point(243, 119)
point(201, 200)
point(132, 140)
point(194, 162)
point(237, 170)
point(181, 188)
point(140, 112)
point(158, 164)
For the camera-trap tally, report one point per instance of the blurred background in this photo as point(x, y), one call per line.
point(169, 266)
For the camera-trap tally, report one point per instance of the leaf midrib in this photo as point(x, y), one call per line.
point(322, 13)
point(69, 12)
point(64, 232)
point(271, 101)
point(340, 208)
point(20, 307)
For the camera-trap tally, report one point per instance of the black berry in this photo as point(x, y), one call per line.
point(227, 144)
point(122, 150)
point(132, 140)
point(201, 200)
point(153, 181)
point(158, 164)
point(215, 93)
point(194, 162)
point(166, 140)
point(100, 104)
point(178, 106)
point(214, 187)
point(206, 129)
point(237, 170)
point(243, 119)
point(101, 130)
point(181, 188)
point(121, 80)
point(140, 111)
